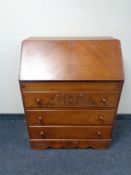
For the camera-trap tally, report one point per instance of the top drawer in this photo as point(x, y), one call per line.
point(71, 99)
point(70, 86)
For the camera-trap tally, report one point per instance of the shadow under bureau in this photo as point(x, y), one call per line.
point(71, 89)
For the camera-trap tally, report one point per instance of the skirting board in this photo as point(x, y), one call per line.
point(10, 116)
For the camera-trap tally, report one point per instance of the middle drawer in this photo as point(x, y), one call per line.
point(70, 117)
point(87, 99)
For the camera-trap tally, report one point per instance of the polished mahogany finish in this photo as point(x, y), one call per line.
point(73, 59)
point(70, 86)
point(69, 117)
point(70, 132)
point(71, 99)
point(71, 89)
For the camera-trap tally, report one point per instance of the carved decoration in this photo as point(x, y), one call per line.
point(68, 99)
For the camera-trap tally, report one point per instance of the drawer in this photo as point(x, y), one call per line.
point(70, 117)
point(71, 86)
point(70, 132)
point(71, 99)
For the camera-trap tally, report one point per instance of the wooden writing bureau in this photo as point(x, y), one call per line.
point(71, 89)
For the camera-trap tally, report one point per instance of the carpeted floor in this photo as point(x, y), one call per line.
point(16, 157)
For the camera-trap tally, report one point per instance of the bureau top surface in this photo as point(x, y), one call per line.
point(66, 59)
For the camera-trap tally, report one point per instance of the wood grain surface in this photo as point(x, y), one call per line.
point(91, 59)
point(71, 90)
point(70, 117)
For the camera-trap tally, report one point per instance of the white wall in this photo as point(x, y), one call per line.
point(20, 19)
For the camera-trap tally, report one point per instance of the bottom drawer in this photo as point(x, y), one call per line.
point(70, 143)
point(70, 132)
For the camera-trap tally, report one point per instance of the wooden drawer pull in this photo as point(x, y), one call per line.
point(42, 133)
point(40, 118)
point(99, 133)
point(104, 100)
point(38, 101)
point(101, 118)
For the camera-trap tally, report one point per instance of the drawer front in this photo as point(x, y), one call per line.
point(70, 132)
point(71, 99)
point(70, 117)
point(71, 86)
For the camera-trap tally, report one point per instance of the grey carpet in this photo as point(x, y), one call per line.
point(16, 157)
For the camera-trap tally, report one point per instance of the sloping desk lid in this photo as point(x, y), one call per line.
point(82, 59)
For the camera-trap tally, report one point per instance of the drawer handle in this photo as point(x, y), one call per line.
point(99, 133)
point(104, 100)
point(101, 118)
point(38, 101)
point(40, 119)
point(42, 133)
